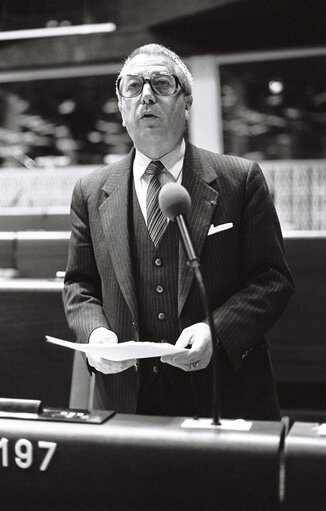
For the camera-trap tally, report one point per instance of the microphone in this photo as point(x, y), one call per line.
point(174, 200)
point(175, 203)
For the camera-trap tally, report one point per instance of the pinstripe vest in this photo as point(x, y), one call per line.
point(156, 276)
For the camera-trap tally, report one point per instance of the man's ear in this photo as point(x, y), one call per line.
point(120, 108)
point(188, 103)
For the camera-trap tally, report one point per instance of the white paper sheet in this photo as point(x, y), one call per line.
point(121, 351)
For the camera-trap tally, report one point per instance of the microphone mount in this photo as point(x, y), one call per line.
point(175, 203)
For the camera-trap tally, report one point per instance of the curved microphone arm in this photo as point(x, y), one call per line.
point(175, 202)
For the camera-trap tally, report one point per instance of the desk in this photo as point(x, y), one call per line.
point(137, 463)
point(305, 468)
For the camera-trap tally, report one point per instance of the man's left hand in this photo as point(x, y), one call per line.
point(198, 337)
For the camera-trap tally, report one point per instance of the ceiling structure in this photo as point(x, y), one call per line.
point(43, 118)
point(189, 27)
point(28, 14)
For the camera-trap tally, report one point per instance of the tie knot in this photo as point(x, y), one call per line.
point(154, 167)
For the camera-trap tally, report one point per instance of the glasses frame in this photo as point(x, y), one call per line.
point(149, 80)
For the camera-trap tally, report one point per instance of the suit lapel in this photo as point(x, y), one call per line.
point(114, 217)
point(197, 175)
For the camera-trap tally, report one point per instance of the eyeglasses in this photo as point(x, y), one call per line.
point(163, 84)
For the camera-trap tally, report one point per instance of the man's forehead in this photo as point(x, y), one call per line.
point(148, 64)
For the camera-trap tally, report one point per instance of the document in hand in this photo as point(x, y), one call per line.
point(123, 350)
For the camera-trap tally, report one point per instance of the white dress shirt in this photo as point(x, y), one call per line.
point(172, 162)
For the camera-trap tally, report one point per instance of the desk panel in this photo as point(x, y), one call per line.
point(31, 368)
point(140, 463)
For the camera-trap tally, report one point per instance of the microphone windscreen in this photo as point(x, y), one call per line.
point(174, 200)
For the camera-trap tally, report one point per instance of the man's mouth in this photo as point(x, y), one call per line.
point(148, 115)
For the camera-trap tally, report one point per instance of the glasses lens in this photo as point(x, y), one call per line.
point(163, 84)
point(130, 86)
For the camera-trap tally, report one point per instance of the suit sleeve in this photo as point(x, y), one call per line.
point(266, 283)
point(82, 290)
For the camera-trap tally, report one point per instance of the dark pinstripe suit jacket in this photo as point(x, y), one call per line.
point(244, 268)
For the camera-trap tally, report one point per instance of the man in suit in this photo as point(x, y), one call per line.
point(123, 282)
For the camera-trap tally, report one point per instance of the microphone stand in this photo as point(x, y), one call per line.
point(193, 261)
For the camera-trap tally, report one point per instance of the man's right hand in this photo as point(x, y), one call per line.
point(103, 335)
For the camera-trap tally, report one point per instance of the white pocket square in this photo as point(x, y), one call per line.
point(218, 228)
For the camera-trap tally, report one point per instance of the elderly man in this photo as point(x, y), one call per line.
point(127, 276)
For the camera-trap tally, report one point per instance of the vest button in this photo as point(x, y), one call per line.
point(155, 369)
point(161, 316)
point(159, 289)
point(158, 262)
point(164, 340)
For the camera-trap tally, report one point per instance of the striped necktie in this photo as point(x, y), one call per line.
point(156, 221)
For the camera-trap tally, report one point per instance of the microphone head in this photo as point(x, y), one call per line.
point(174, 200)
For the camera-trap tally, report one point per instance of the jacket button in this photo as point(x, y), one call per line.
point(155, 369)
point(159, 289)
point(161, 316)
point(158, 262)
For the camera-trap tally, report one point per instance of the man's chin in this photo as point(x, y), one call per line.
point(150, 123)
point(150, 132)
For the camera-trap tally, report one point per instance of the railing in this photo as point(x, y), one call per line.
point(298, 188)
point(39, 188)
point(299, 191)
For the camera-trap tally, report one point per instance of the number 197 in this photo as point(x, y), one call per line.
point(24, 454)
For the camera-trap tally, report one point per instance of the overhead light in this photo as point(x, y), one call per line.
point(67, 106)
point(34, 33)
point(276, 86)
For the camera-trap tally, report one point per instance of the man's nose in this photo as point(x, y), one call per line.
point(147, 95)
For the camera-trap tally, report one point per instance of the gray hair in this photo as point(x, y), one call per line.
point(180, 68)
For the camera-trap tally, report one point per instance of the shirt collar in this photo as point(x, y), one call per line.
point(172, 161)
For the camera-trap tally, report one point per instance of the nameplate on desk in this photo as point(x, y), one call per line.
point(232, 425)
point(32, 409)
point(61, 415)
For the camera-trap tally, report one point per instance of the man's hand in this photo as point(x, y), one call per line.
point(103, 335)
point(197, 336)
